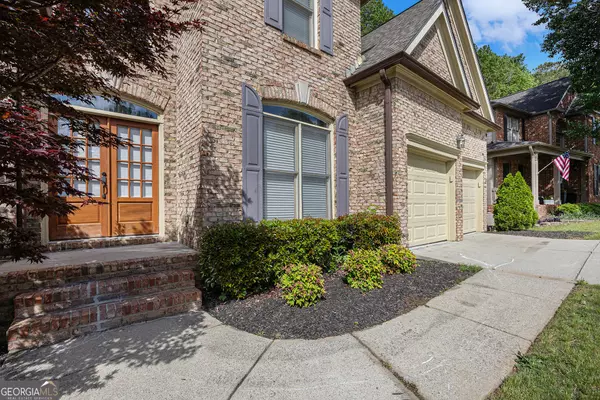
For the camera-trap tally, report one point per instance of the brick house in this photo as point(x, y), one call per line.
point(531, 136)
point(279, 109)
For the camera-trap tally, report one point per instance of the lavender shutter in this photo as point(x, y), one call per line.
point(342, 173)
point(274, 13)
point(252, 154)
point(326, 17)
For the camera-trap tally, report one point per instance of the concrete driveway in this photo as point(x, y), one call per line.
point(568, 260)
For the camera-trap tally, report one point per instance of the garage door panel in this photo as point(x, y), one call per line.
point(470, 202)
point(428, 200)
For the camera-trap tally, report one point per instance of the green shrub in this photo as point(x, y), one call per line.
point(303, 241)
point(302, 285)
point(398, 259)
point(590, 210)
point(233, 259)
point(570, 210)
point(367, 230)
point(364, 269)
point(514, 209)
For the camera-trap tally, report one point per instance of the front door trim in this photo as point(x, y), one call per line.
point(159, 123)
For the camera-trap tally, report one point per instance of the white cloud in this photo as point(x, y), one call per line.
point(507, 22)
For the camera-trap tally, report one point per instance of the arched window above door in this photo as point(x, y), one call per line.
point(100, 103)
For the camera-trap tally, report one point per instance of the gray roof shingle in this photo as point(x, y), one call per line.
point(539, 99)
point(397, 34)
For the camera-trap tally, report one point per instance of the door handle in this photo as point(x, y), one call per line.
point(103, 179)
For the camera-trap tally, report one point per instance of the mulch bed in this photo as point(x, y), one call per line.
point(548, 234)
point(344, 309)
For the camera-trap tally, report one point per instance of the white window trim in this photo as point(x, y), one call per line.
point(298, 178)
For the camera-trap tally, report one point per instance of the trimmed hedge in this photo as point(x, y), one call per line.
point(514, 209)
point(240, 259)
point(369, 231)
point(303, 241)
point(234, 259)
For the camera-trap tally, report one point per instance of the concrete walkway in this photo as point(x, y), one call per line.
point(568, 260)
point(461, 345)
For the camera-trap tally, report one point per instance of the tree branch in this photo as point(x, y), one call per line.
point(35, 77)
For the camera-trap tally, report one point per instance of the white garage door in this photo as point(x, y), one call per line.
point(427, 200)
point(470, 203)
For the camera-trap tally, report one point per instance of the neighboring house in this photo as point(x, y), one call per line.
point(533, 122)
point(279, 109)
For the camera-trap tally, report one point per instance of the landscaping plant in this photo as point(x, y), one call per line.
point(367, 230)
point(240, 259)
point(302, 285)
point(234, 259)
point(303, 241)
point(398, 259)
point(579, 211)
point(570, 210)
point(514, 209)
point(364, 269)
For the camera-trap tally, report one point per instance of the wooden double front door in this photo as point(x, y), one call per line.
point(125, 190)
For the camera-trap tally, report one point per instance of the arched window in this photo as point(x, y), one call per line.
point(297, 164)
point(100, 103)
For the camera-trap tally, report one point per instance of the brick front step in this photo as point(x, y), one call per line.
point(75, 295)
point(57, 326)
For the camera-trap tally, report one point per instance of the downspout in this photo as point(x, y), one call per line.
point(389, 164)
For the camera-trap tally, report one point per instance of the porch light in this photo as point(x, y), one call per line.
point(460, 141)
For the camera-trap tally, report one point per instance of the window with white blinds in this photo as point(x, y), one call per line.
point(298, 20)
point(297, 175)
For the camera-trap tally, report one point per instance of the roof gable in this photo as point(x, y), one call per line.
point(546, 97)
point(407, 30)
point(397, 34)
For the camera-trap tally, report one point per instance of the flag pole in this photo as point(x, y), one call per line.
point(552, 162)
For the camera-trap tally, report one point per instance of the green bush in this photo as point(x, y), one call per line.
point(364, 269)
point(367, 230)
point(590, 210)
point(233, 259)
point(570, 210)
point(302, 285)
point(240, 259)
point(398, 259)
point(514, 209)
point(303, 241)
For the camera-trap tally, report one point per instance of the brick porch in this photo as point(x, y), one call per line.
point(81, 291)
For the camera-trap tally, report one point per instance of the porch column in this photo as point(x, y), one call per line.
point(584, 182)
point(535, 178)
point(557, 182)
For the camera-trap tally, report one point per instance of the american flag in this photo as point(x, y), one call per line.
point(563, 163)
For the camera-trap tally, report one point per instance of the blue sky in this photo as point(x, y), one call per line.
point(506, 25)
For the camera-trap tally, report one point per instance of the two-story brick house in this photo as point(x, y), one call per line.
point(279, 109)
point(532, 136)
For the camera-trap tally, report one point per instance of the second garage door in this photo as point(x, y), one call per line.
point(470, 197)
point(427, 200)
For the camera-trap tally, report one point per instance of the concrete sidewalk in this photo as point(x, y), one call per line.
point(460, 345)
point(568, 260)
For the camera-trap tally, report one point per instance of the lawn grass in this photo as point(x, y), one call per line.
point(586, 226)
point(593, 227)
point(564, 361)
